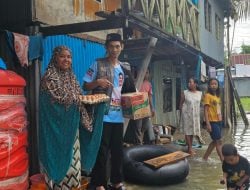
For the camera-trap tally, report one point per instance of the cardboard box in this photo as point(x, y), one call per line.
point(135, 105)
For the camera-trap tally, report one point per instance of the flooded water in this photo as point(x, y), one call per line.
point(206, 175)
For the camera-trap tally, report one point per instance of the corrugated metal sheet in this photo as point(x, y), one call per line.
point(84, 52)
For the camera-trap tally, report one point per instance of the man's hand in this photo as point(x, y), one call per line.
point(104, 83)
point(152, 113)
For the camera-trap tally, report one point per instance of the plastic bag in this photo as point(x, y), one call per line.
point(13, 153)
point(14, 117)
point(10, 101)
point(10, 141)
point(14, 164)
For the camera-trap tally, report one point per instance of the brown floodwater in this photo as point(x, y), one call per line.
point(205, 175)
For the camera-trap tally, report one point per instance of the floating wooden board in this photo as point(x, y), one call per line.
point(166, 159)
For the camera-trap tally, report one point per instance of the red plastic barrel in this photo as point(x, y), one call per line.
point(13, 136)
point(11, 83)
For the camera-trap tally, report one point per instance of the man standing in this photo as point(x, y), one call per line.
point(107, 75)
point(141, 131)
point(144, 125)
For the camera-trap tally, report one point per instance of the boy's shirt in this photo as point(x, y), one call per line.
point(236, 172)
point(115, 111)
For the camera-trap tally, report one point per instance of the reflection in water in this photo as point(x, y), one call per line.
point(242, 139)
point(206, 175)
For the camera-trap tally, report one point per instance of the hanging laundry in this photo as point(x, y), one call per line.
point(203, 71)
point(212, 72)
point(35, 47)
point(2, 64)
point(21, 45)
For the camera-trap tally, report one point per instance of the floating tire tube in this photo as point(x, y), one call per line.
point(136, 171)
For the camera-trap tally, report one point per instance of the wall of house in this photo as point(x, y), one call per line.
point(240, 85)
point(74, 11)
point(242, 70)
point(66, 12)
point(209, 44)
point(165, 84)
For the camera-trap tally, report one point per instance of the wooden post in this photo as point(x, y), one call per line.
point(145, 62)
point(143, 71)
point(226, 82)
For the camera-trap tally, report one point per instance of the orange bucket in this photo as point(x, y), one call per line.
point(84, 185)
point(38, 186)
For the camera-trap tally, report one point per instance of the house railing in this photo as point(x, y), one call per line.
point(179, 18)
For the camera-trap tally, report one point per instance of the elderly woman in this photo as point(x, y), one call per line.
point(190, 113)
point(60, 110)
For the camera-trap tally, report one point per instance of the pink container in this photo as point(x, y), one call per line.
point(38, 182)
point(37, 179)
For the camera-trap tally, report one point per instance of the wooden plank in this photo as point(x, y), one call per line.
point(98, 25)
point(144, 5)
point(166, 159)
point(151, 9)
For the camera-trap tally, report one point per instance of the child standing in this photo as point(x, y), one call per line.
point(236, 169)
point(213, 117)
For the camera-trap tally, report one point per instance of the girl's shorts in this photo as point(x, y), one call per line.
point(216, 130)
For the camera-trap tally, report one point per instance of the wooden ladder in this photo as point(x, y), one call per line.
point(237, 98)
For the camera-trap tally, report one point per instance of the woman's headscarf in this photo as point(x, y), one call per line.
point(63, 86)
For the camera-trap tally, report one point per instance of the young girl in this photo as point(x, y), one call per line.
point(213, 118)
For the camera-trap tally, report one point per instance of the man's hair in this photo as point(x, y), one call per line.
point(113, 37)
point(229, 150)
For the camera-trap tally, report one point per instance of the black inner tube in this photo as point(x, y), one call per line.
point(136, 171)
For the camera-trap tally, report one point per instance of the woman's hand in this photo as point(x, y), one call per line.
point(104, 83)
